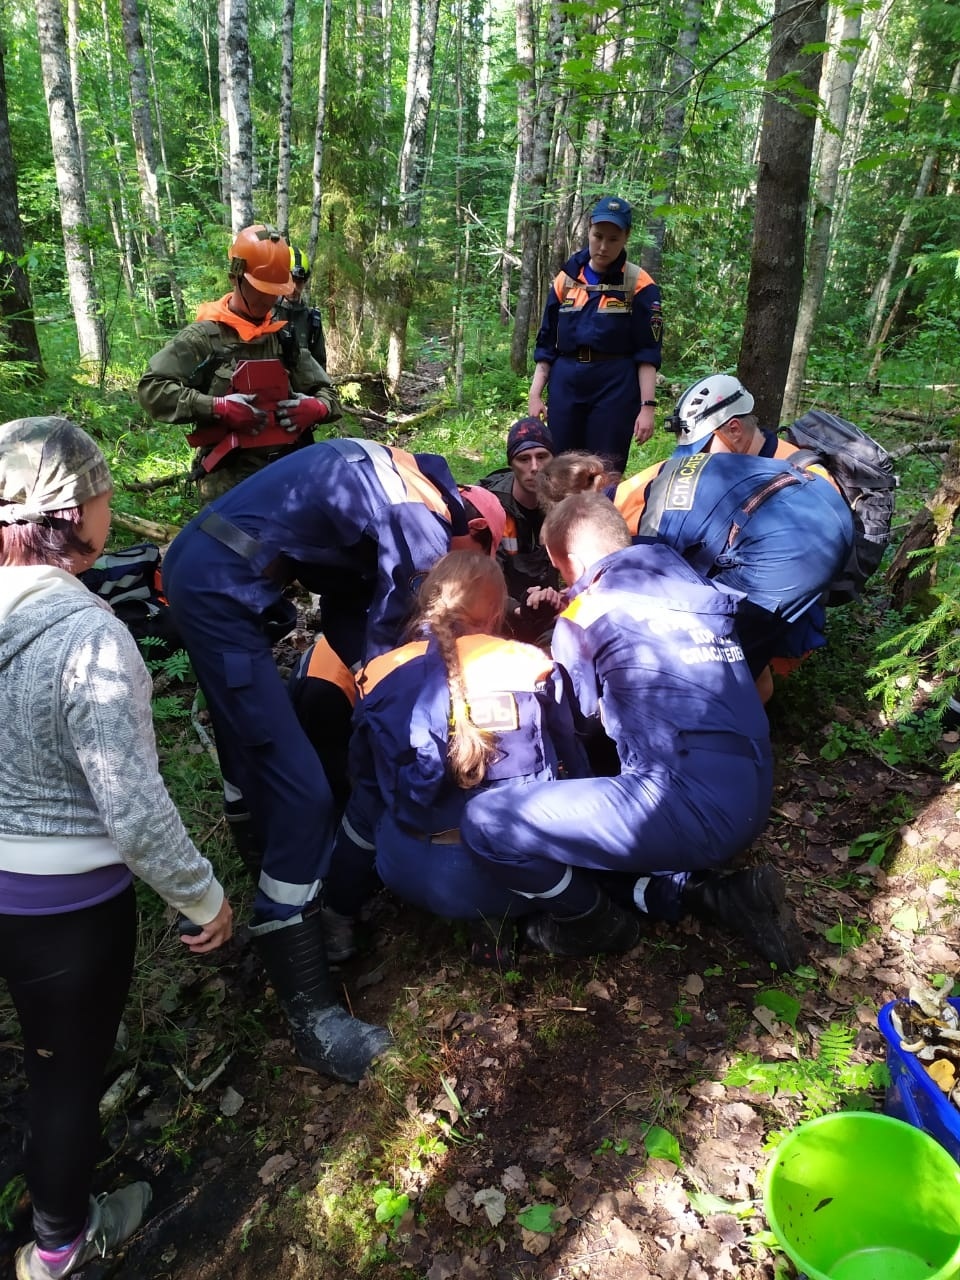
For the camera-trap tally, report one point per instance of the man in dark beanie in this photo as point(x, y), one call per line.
point(524, 561)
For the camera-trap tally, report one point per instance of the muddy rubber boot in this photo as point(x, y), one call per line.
point(752, 904)
point(604, 928)
point(327, 1039)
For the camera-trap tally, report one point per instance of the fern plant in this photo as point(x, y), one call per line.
point(828, 1082)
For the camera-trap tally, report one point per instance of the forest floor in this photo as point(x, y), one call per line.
point(556, 1076)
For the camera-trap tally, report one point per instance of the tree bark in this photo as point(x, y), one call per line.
point(412, 156)
point(239, 119)
point(16, 308)
point(932, 526)
point(321, 126)
point(91, 337)
point(881, 323)
point(285, 117)
point(169, 300)
point(783, 184)
point(835, 91)
point(536, 109)
point(668, 162)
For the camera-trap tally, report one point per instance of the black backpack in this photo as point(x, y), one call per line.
point(864, 474)
point(129, 581)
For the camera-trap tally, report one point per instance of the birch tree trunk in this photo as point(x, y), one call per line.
point(881, 321)
point(535, 112)
point(509, 260)
point(783, 187)
point(412, 157)
point(239, 120)
point(222, 10)
point(120, 221)
point(596, 143)
point(158, 114)
point(168, 298)
point(668, 162)
point(16, 308)
point(66, 159)
point(285, 118)
point(321, 127)
point(835, 90)
point(73, 42)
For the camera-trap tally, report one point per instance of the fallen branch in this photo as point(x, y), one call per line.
point(921, 446)
point(151, 529)
point(162, 482)
point(206, 1082)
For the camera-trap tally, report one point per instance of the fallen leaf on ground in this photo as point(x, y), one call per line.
point(275, 1166)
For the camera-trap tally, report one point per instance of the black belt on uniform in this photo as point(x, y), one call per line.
point(587, 355)
point(226, 532)
point(231, 536)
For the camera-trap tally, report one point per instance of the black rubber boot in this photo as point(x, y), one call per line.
point(327, 1039)
point(244, 841)
point(752, 904)
point(605, 927)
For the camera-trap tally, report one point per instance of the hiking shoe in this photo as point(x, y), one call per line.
point(113, 1218)
point(604, 928)
point(339, 933)
point(751, 903)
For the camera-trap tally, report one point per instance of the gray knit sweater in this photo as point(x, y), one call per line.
point(79, 779)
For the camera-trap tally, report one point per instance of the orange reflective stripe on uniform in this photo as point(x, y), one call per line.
point(492, 665)
point(785, 450)
point(418, 487)
point(630, 496)
point(377, 668)
point(573, 295)
point(324, 664)
point(510, 542)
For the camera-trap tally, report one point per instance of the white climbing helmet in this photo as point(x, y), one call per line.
point(708, 404)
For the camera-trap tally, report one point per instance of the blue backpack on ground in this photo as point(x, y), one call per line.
point(863, 471)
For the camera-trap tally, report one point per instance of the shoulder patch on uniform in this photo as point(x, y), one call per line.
point(497, 712)
point(682, 484)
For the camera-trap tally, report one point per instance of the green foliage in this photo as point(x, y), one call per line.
point(827, 1082)
point(660, 1144)
point(391, 1206)
point(785, 1007)
point(538, 1217)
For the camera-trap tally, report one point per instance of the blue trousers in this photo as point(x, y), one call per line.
point(223, 610)
point(641, 822)
point(594, 406)
point(445, 879)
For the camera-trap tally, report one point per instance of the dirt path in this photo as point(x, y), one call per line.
point(558, 1076)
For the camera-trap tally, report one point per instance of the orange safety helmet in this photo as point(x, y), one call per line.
point(261, 256)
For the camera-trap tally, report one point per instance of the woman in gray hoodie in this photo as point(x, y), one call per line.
point(83, 810)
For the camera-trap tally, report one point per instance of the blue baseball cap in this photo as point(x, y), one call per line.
point(613, 209)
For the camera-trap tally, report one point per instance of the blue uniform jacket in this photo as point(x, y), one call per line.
point(651, 646)
point(776, 531)
point(572, 318)
point(351, 518)
point(401, 725)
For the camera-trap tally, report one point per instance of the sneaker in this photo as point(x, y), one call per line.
point(751, 903)
point(113, 1218)
point(339, 933)
point(604, 928)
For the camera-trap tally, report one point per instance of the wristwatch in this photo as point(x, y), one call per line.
point(645, 404)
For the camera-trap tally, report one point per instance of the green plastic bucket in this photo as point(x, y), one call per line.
point(861, 1196)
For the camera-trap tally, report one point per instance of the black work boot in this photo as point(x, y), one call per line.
point(244, 841)
point(605, 927)
point(327, 1039)
point(751, 903)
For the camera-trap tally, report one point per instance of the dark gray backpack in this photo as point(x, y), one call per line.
point(863, 471)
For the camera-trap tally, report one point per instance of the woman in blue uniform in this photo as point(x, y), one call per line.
point(599, 344)
point(455, 711)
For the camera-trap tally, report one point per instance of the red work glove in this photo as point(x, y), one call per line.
point(300, 413)
point(237, 413)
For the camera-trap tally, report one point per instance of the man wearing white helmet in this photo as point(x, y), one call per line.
point(715, 415)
